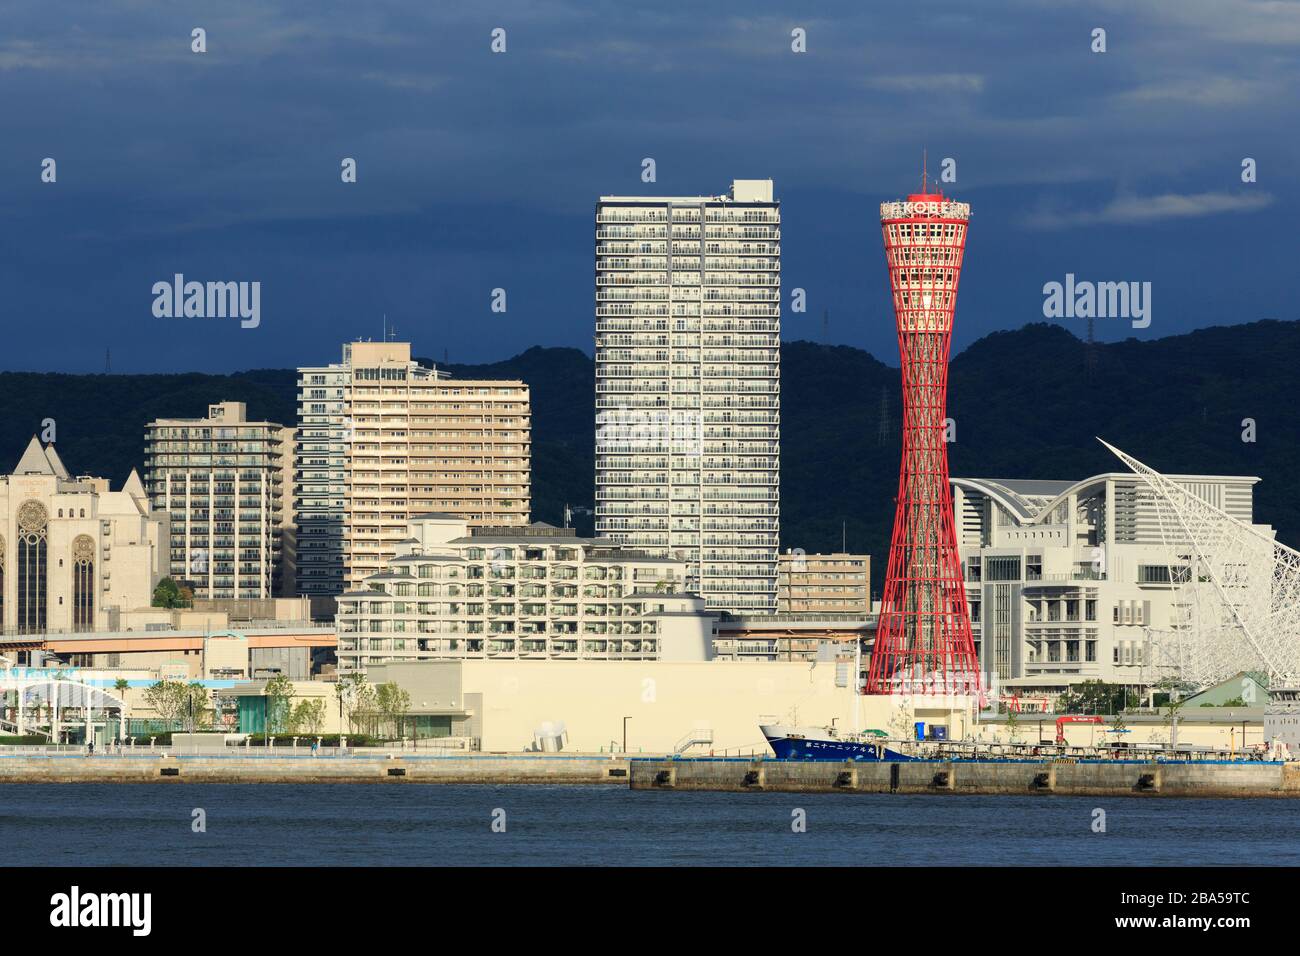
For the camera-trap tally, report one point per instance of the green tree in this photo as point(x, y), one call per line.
point(279, 704)
point(176, 702)
point(196, 707)
point(167, 594)
point(166, 698)
point(393, 703)
point(1013, 726)
point(354, 695)
point(308, 716)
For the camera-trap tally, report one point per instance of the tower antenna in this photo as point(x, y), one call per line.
point(925, 172)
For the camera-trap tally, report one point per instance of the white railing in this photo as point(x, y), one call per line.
point(700, 736)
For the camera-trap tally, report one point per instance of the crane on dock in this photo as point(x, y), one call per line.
point(1074, 719)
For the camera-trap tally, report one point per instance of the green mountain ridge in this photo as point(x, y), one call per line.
point(1027, 403)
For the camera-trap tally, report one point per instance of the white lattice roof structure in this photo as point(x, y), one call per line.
point(1240, 589)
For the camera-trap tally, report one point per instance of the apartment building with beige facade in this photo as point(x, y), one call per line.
point(383, 439)
point(222, 480)
point(527, 593)
point(836, 583)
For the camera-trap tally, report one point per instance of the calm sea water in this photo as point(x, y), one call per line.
point(360, 824)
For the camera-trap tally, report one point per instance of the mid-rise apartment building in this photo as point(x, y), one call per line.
point(529, 593)
point(1074, 581)
point(382, 439)
point(223, 480)
point(837, 583)
point(688, 385)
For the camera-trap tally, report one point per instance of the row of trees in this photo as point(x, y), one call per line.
point(283, 716)
point(374, 710)
point(370, 709)
point(191, 706)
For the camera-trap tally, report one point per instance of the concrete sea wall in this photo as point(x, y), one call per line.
point(992, 777)
point(376, 768)
point(1211, 779)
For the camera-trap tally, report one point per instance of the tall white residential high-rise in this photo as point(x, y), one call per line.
point(382, 439)
point(688, 385)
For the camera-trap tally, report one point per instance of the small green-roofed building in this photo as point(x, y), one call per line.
point(1246, 688)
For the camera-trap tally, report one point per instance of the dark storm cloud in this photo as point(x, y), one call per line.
point(479, 170)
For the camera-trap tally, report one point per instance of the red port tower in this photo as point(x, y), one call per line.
point(924, 643)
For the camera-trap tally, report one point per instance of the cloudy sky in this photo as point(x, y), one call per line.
point(479, 170)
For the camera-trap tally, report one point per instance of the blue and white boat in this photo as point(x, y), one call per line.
point(826, 743)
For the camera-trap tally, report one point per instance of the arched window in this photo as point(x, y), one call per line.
point(33, 521)
point(83, 583)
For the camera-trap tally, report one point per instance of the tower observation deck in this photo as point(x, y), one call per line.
point(924, 643)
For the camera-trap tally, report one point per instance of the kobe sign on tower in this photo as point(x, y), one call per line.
point(923, 641)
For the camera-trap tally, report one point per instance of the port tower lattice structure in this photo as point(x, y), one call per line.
point(1238, 590)
point(924, 643)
